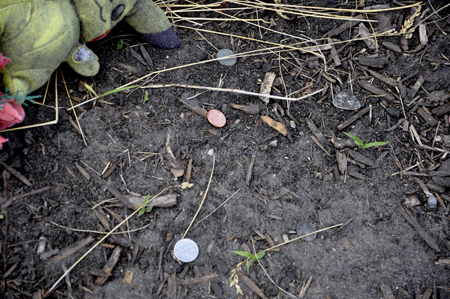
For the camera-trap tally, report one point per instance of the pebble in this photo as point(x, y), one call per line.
point(186, 250)
point(226, 61)
point(306, 227)
point(346, 100)
point(432, 202)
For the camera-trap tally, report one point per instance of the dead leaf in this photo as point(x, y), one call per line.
point(177, 172)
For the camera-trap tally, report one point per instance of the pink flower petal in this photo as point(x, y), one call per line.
point(2, 140)
point(11, 115)
point(3, 61)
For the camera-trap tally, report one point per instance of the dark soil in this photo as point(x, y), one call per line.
point(292, 180)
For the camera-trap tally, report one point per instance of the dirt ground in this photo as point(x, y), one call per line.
point(137, 147)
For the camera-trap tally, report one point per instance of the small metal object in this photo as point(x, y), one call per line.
point(304, 228)
point(216, 118)
point(222, 54)
point(186, 250)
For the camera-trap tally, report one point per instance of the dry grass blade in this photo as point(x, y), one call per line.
point(233, 90)
point(203, 199)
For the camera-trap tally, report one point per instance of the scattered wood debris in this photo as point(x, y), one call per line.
point(266, 86)
point(420, 230)
point(275, 124)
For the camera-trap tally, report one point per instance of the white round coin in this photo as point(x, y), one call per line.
point(186, 250)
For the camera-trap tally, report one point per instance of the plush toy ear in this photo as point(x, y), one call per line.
point(149, 20)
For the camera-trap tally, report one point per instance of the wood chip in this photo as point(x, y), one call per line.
point(361, 158)
point(444, 109)
point(392, 47)
point(382, 78)
point(305, 287)
point(250, 109)
point(274, 124)
point(318, 134)
point(137, 56)
point(129, 68)
point(387, 292)
point(16, 174)
point(172, 286)
point(429, 119)
point(146, 55)
point(356, 174)
point(353, 118)
point(375, 90)
point(423, 35)
point(83, 172)
point(200, 279)
point(368, 40)
point(345, 26)
point(108, 172)
point(266, 86)
point(252, 286)
point(342, 161)
point(101, 216)
point(128, 277)
point(167, 201)
point(72, 249)
point(320, 145)
point(271, 242)
point(414, 89)
point(419, 229)
point(334, 53)
point(107, 269)
point(377, 62)
point(249, 171)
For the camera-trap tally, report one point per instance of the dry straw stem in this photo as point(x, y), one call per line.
point(233, 90)
point(311, 11)
point(102, 239)
point(298, 238)
point(99, 232)
point(218, 207)
point(203, 199)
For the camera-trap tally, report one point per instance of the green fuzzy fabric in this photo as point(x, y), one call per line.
point(38, 35)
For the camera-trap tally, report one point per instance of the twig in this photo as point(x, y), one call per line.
point(232, 90)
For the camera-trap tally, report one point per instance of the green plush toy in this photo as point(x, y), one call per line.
point(38, 35)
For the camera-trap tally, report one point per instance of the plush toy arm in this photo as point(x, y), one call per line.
point(83, 61)
point(149, 20)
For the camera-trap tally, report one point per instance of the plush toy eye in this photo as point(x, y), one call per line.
point(117, 12)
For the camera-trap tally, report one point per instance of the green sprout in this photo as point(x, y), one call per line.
point(251, 258)
point(146, 97)
point(120, 45)
point(145, 209)
point(361, 144)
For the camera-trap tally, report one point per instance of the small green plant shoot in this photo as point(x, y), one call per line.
point(251, 258)
point(146, 97)
point(361, 144)
point(120, 45)
point(145, 209)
